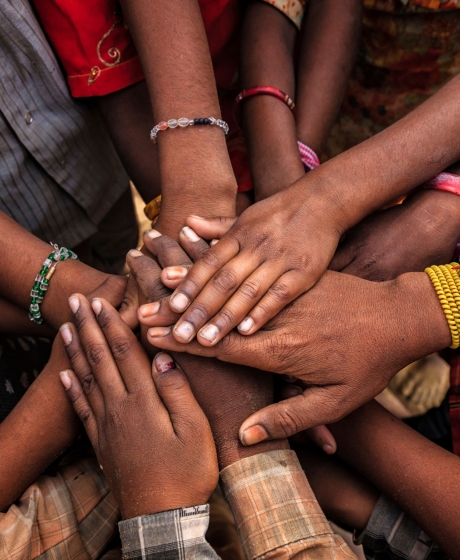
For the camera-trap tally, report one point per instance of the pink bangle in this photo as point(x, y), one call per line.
point(309, 158)
point(444, 182)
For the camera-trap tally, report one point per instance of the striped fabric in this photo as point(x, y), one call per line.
point(276, 512)
point(59, 173)
point(69, 516)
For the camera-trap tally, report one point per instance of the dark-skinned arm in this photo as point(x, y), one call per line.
point(195, 170)
point(421, 477)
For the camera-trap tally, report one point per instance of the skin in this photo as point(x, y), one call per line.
point(426, 488)
point(256, 270)
point(194, 165)
point(114, 389)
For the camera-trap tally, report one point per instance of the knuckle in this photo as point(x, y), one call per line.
point(121, 347)
point(96, 354)
point(281, 292)
point(287, 421)
point(80, 319)
point(105, 319)
point(227, 345)
point(199, 311)
point(250, 290)
point(84, 414)
point(225, 280)
point(211, 259)
point(88, 383)
point(226, 316)
point(172, 381)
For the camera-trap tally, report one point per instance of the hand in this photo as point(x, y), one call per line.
point(149, 434)
point(273, 253)
point(345, 339)
point(406, 238)
point(227, 393)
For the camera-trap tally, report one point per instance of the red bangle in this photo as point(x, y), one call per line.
point(444, 182)
point(266, 90)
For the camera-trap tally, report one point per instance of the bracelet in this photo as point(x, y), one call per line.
point(152, 209)
point(309, 158)
point(43, 278)
point(446, 282)
point(444, 182)
point(183, 122)
point(266, 90)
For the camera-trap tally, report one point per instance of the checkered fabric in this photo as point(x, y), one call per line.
point(391, 535)
point(178, 534)
point(69, 516)
point(276, 512)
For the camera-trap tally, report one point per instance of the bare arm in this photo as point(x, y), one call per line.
point(195, 169)
point(421, 477)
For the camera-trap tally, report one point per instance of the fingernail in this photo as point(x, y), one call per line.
point(246, 325)
point(214, 242)
point(74, 303)
point(136, 253)
point(158, 332)
point(209, 332)
point(65, 379)
point(185, 330)
point(254, 434)
point(197, 217)
point(179, 302)
point(164, 362)
point(96, 305)
point(66, 334)
point(153, 234)
point(289, 378)
point(328, 449)
point(149, 309)
point(190, 234)
point(175, 272)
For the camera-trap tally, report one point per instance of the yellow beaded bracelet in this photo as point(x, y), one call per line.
point(446, 282)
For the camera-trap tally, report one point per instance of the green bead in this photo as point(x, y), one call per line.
point(41, 293)
point(46, 282)
point(33, 300)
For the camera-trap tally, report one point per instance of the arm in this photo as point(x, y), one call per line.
point(195, 169)
point(267, 58)
point(327, 54)
point(422, 478)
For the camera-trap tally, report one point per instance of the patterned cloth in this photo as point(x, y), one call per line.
point(454, 403)
point(69, 516)
point(59, 172)
point(276, 512)
point(409, 49)
point(170, 535)
point(391, 535)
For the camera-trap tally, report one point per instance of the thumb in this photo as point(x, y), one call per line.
point(316, 406)
point(343, 257)
point(210, 228)
point(174, 389)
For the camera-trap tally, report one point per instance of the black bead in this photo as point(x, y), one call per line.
point(207, 121)
point(196, 121)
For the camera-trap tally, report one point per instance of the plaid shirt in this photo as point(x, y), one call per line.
point(392, 535)
point(275, 510)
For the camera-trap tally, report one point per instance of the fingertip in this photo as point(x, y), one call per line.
point(66, 333)
point(155, 334)
point(65, 378)
point(246, 326)
point(252, 435)
point(152, 234)
point(190, 234)
point(148, 310)
point(96, 305)
point(163, 363)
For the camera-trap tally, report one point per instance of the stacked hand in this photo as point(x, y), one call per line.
point(139, 417)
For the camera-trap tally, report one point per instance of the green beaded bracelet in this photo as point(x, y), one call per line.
point(43, 278)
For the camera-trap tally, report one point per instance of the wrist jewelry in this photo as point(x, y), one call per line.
point(152, 209)
point(183, 122)
point(309, 158)
point(444, 182)
point(43, 278)
point(446, 282)
point(266, 90)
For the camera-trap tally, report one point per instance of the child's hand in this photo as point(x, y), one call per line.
point(151, 438)
point(273, 253)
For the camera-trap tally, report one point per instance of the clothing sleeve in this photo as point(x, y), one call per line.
point(276, 512)
point(92, 43)
point(392, 535)
point(67, 514)
point(292, 9)
point(178, 534)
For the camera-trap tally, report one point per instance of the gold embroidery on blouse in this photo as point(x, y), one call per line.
point(113, 52)
point(94, 74)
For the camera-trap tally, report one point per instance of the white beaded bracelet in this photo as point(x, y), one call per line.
point(183, 122)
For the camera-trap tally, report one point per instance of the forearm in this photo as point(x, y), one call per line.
point(392, 163)
point(195, 169)
point(327, 54)
point(267, 58)
point(20, 267)
point(128, 116)
point(421, 477)
point(37, 431)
